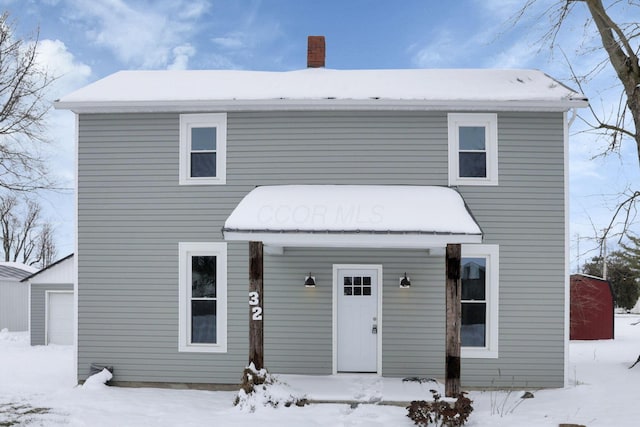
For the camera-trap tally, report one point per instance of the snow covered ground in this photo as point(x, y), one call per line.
point(37, 388)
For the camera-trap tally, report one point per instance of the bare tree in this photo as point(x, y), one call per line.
point(619, 41)
point(23, 85)
point(46, 251)
point(25, 237)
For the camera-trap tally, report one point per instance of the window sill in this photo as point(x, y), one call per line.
point(478, 353)
point(202, 181)
point(202, 348)
point(473, 181)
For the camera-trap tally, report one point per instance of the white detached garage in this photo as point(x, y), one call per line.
point(14, 296)
point(52, 303)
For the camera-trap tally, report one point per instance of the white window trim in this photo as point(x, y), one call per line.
point(490, 122)
point(187, 250)
point(217, 120)
point(492, 254)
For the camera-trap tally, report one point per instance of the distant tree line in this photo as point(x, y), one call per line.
point(25, 236)
point(623, 272)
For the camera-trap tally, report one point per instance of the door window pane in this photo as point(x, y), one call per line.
point(348, 286)
point(357, 285)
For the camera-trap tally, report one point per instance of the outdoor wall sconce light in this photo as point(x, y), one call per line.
point(310, 281)
point(405, 282)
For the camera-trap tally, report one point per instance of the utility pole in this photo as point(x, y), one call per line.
point(578, 253)
point(604, 256)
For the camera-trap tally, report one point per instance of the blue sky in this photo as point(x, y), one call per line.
point(85, 40)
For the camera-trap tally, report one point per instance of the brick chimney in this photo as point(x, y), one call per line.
point(315, 52)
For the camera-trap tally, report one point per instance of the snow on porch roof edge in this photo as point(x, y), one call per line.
point(383, 216)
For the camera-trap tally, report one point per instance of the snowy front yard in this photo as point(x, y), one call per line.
point(37, 388)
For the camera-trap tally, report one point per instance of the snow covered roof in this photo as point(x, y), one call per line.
point(320, 88)
point(15, 270)
point(381, 216)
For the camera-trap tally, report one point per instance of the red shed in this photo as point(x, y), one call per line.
point(591, 308)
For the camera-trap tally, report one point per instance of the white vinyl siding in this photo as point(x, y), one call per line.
point(14, 305)
point(203, 141)
point(203, 305)
point(473, 149)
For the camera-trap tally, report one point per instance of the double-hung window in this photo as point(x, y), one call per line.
point(473, 149)
point(203, 143)
point(203, 297)
point(479, 327)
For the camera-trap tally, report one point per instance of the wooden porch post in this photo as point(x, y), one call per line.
point(453, 291)
point(256, 331)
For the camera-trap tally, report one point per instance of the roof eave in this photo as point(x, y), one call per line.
point(352, 239)
point(47, 268)
point(89, 107)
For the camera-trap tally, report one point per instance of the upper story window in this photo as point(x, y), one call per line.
point(203, 147)
point(473, 149)
point(479, 301)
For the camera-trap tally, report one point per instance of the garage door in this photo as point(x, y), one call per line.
point(60, 318)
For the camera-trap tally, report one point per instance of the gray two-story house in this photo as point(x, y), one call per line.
point(354, 182)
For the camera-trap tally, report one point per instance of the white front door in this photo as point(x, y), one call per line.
point(60, 318)
point(357, 319)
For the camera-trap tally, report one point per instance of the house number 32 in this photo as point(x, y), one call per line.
point(256, 310)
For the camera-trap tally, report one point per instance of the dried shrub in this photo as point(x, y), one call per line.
point(439, 412)
point(259, 388)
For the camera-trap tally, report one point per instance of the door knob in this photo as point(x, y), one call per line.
point(374, 329)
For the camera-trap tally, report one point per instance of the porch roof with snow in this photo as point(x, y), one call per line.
point(379, 216)
point(320, 88)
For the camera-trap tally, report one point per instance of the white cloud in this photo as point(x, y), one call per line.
point(520, 54)
point(443, 50)
point(232, 41)
point(70, 74)
point(139, 35)
point(193, 9)
point(181, 56)
point(501, 10)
